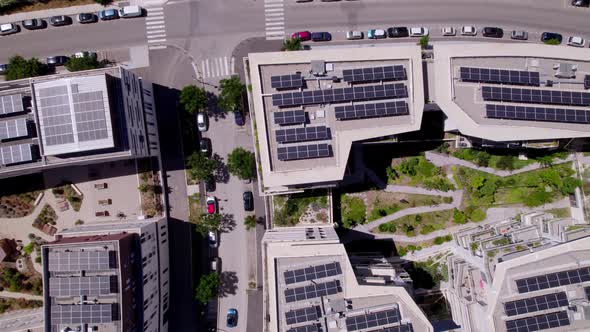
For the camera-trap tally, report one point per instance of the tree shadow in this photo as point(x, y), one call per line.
point(221, 172)
point(227, 223)
point(214, 111)
point(229, 283)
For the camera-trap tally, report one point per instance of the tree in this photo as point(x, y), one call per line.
point(193, 98)
point(459, 217)
point(200, 167)
point(250, 222)
point(104, 2)
point(206, 223)
point(424, 42)
point(506, 163)
point(19, 67)
point(83, 63)
point(291, 44)
point(569, 185)
point(230, 97)
point(208, 287)
point(241, 163)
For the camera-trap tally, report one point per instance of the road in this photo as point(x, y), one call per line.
point(22, 320)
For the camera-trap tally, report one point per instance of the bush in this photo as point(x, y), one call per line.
point(506, 163)
point(291, 44)
point(85, 63)
point(208, 287)
point(538, 197)
point(477, 215)
point(442, 239)
point(569, 185)
point(19, 67)
point(387, 228)
point(459, 217)
point(242, 163)
point(28, 249)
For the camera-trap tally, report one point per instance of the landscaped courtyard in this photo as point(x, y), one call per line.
point(305, 208)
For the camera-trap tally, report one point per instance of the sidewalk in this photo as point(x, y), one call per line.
point(55, 11)
point(15, 295)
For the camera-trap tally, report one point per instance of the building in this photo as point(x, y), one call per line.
point(108, 277)
point(310, 107)
point(75, 119)
point(521, 275)
point(310, 285)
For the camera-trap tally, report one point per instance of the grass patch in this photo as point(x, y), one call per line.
point(353, 209)
point(194, 204)
point(288, 209)
point(423, 223)
point(381, 204)
point(504, 160)
point(10, 304)
point(560, 212)
point(417, 171)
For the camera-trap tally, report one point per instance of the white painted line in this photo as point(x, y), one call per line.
point(275, 37)
point(233, 65)
point(157, 47)
point(272, 1)
point(274, 33)
point(274, 5)
point(156, 36)
point(202, 68)
point(154, 11)
point(154, 27)
point(156, 40)
point(208, 68)
point(152, 18)
point(218, 66)
point(275, 23)
point(275, 14)
point(155, 22)
point(152, 32)
point(275, 28)
point(273, 19)
point(226, 65)
point(270, 10)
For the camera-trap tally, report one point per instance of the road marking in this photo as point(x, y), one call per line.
point(274, 23)
point(153, 27)
point(271, 5)
point(154, 22)
point(218, 67)
point(268, 37)
point(157, 40)
point(152, 32)
point(157, 36)
point(269, 10)
point(151, 18)
point(233, 65)
point(275, 28)
point(226, 65)
point(276, 33)
point(274, 14)
point(157, 47)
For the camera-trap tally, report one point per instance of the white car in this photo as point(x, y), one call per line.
point(418, 32)
point(8, 28)
point(131, 11)
point(202, 121)
point(376, 34)
point(576, 41)
point(352, 35)
point(84, 54)
point(212, 239)
point(448, 31)
point(468, 31)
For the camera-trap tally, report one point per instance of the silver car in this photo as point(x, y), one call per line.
point(352, 35)
point(8, 28)
point(519, 35)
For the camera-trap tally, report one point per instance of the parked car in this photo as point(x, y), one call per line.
point(418, 32)
point(492, 32)
point(108, 14)
point(448, 31)
point(210, 184)
point(519, 35)
point(376, 34)
point(302, 35)
point(131, 11)
point(211, 205)
point(321, 36)
point(354, 34)
point(239, 118)
point(580, 3)
point(398, 32)
point(60, 20)
point(202, 121)
point(85, 18)
point(215, 264)
point(212, 239)
point(468, 31)
point(3, 68)
point(205, 146)
point(248, 201)
point(576, 41)
point(8, 28)
point(84, 54)
point(547, 36)
point(34, 24)
point(58, 60)
point(232, 318)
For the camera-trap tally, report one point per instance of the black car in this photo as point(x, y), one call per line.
point(60, 20)
point(239, 118)
point(580, 3)
point(58, 60)
point(493, 32)
point(546, 37)
point(210, 184)
point(321, 36)
point(3, 68)
point(398, 32)
point(87, 18)
point(205, 146)
point(34, 24)
point(248, 201)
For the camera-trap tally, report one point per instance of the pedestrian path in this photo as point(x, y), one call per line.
point(155, 26)
point(217, 67)
point(274, 14)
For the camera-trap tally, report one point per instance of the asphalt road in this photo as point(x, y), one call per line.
point(22, 320)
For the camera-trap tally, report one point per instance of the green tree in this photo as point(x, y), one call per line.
point(538, 197)
point(292, 44)
point(200, 167)
point(409, 166)
point(84, 63)
point(230, 96)
point(459, 217)
point(250, 222)
point(424, 42)
point(569, 185)
point(208, 287)
point(206, 223)
point(545, 161)
point(193, 98)
point(19, 67)
point(505, 163)
point(241, 163)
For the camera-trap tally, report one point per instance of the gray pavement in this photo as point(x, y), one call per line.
point(22, 320)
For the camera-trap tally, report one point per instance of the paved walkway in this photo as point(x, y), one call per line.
point(16, 295)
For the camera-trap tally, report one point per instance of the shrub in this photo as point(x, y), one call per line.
point(538, 197)
point(19, 67)
point(84, 63)
point(387, 228)
point(459, 217)
point(353, 211)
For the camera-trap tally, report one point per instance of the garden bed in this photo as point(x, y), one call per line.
point(46, 219)
point(504, 160)
point(18, 205)
point(65, 191)
point(383, 203)
point(309, 208)
point(418, 172)
point(150, 189)
point(422, 223)
point(15, 281)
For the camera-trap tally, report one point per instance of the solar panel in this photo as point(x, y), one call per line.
point(82, 314)
point(312, 291)
point(587, 82)
point(540, 322)
point(500, 76)
point(305, 328)
point(537, 303)
point(373, 74)
point(399, 328)
point(75, 286)
point(13, 128)
point(340, 95)
point(293, 135)
point(15, 154)
point(312, 272)
point(551, 280)
point(373, 319)
point(536, 96)
point(11, 104)
point(302, 315)
point(304, 152)
point(532, 113)
point(286, 81)
point(289, 117)
point(377, 110)
point(55, 115)
point(89, 113)
point(81, 261)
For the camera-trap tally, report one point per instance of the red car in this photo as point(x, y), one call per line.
point(302, 35)
point(211, 205)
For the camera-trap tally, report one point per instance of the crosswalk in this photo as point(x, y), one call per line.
point(155, 26)
point(217, 67)
point(274, 14)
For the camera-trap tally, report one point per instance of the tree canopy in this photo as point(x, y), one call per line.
point(19, 67)
point(83, 63)
point(241, 163)
point(193, 98)
point(250, 222)
point(208, 287)
point(206, 223)
point(291, 44)
point(230, 95)
point(199, 166)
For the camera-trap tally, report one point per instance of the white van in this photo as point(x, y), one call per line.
point(131, 11)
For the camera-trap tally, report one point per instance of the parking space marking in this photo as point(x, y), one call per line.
point(155, 25)
point(274, 14)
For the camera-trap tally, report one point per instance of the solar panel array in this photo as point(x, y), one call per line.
point(80, 314)
point(399, 328)
point(74, 286)
point(377, 110)
point(312, 273)
point(536, 303)
point(304, 134)
point(486, 75)
point(289, 117)
point(551, 280)
point(312, 291)
point(304, 152)
point(81, 261)
point(373, 319)
point(14, 154)
point(13, 128)
point(11, 104)
point(540, 322)
point(536, 96)
point(55, 114)
point(89, 112)
point(533, 113)
point(305, 328)
point(286, 81)
point(340, 95)
point(373, 74)
point(302, 315)
point(587, 82)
